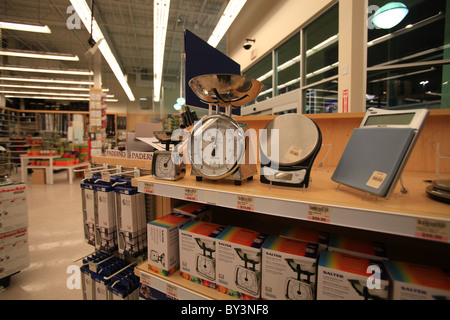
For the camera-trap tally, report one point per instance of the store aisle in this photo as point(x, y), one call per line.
point(55, 241)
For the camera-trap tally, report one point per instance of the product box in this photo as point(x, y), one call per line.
point(131, 220)
point(89, 198)
point(105, 218)
point(288, 269)
point(198, 252)
point(14, 252)
point(341, 276)
point(417, 282)
point(239, 262)
point(163, 245)
point(308, 235)
point(13, 207)
point(197, 210)
point(358, 247)
point(38, 176)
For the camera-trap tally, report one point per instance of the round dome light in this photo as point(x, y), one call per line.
point(390, 15)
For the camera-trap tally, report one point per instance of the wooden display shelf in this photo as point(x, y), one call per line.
point(184, 289)
point(347, 207)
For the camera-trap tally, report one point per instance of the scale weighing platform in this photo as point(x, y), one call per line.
point(378, 150)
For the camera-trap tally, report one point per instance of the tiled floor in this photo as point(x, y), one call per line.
point(55, 241)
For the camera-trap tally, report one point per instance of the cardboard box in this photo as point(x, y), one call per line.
point(288, 269)
point(88, 197)
point(361, 248)
point(163, 243)
point(105, 218)
point(198, 252)
point(38, 176)
point(13, 207)
point(308, 235)
point(198, 211)
point(417, 282)
point(239, 262)
point(341, 276)
point(14, 252)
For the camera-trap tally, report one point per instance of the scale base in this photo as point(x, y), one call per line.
point(243, 172)
point(294, 176)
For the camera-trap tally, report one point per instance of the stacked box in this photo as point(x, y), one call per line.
point(105, 218)
point(348, 277)
point(239, 262)
point(308, 235)
point(163, 245)
point(288, 269)
point(412, 281)
point(197, 210)
point(198, 252)
point(14, 252)
point(358, 247)
point(88, 197)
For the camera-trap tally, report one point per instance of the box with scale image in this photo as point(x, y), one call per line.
point(342, 276)
point(308, 235)
point(163, 243)
point(358, 247)
point(288, 269)
point(238, 258)
point(411, 281)
point(198, 252)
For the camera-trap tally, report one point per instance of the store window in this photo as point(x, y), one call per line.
point(407, 64)
point(263, 71)
point(287, 65)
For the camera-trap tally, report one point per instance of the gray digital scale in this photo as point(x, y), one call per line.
point(377, 151)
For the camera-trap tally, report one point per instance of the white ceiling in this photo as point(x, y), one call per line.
point(128, 28)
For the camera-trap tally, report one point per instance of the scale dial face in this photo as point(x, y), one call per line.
point(247, 280)
point(217, 146)
point(297, 290)
point(163, 166)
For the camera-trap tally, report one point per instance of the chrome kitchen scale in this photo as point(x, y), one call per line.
point(296, 140)
point(247, 277)
point(206, 263)
point(301, 287)
point(218, 148)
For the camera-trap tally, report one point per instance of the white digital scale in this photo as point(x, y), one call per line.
point(377, 151)
point(298, 141)
point(247, 277)
point(205, 263)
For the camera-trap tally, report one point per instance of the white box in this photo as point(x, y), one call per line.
point(417, 282)
point(308, 235)
point(358, 247)
point(163, 245)
point(198, 252)
point(238, 260)
point(105, 219)
point(88, 202)
point(288, 269)
point(14, 252)
point(13, 207)
point(341, 276)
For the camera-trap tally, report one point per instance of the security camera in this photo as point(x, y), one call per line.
point(247, 44)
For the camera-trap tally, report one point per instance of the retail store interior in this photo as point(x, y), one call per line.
point(224, 150)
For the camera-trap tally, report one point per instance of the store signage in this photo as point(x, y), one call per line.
point(141, 155)
point(115, 153)
point(319, 213)
point(432, 230)
point(345, 96)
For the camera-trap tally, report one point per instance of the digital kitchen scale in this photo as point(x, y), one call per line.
point(301, 287)
point(205, 263)
point(439, 190)
point(218, 145)
point(247, 277)
point(298, 139)
point(378, 150)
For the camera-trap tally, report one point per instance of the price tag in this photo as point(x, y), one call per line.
point(88, 174)
point(149, 187)
point(106, 176)
point(246, 203)
point(190, 194)
point(376, 180)
point(432, 230)
point(319, 213)
point(172, 291)
point(145, 278)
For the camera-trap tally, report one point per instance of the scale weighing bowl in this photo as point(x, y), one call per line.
point(226, 89)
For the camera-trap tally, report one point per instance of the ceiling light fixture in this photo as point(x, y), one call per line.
point(53, 98)
point(57, 71)
point(84, 12)
point(46, 80)
point(231, 11)
point(25, 27)
point(39, 55)
point(160, 18)
point(50, 93)
point(390, 15)
point(46, 87)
